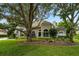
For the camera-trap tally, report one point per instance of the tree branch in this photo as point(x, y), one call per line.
point(77, 21)
point(13, 8)
point(23, 15)
point(21, 30)
point(76, 14)
point(35, 8)
point(7, 17)
point(68, 18)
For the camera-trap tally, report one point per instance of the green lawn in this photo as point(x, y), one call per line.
point(11, 48)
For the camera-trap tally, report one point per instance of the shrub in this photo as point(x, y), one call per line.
point(3, 36)
point(53, 32)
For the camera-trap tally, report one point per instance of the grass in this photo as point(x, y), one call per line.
point(76, 37)
point(11, 48)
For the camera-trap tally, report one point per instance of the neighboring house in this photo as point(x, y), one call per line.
point(61, 31)
point(41, 29)
point(3, 32)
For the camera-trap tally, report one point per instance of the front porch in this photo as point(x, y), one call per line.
point(40, 33)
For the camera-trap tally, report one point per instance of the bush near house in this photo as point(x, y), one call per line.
point(53, 32)
point(3, 35)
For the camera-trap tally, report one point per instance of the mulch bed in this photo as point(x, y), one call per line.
point(45, 42)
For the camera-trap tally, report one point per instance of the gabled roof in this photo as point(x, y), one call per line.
point(61, 28)
point(37, 24)
point(40, 22)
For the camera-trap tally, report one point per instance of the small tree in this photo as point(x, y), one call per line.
point(69, 13)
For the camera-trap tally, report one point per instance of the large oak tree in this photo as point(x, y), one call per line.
point(24, 15)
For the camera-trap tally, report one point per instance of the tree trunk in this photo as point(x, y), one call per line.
point(71, 34)
point(71, 38)
point(29, 30)
point(29, 39)
point(28, 36)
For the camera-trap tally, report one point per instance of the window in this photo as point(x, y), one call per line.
point(33, 34)
point(39, 34)
point(60, 32)
point(45, 33)
point(22, 34)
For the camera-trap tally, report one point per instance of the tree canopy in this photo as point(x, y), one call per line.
point(24, 15)
point(70, 14)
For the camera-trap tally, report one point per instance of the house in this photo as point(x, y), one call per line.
point(3, 32)
point(61, 31)
point(41, 29)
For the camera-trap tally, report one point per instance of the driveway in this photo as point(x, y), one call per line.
point(3, 38)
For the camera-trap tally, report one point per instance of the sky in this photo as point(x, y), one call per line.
point(3, 21)
point(52, 19)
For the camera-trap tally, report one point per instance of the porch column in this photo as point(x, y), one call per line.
point(41, 33)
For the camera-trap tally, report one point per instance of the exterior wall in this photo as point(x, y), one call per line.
point(18, 33)
point(43, 27)
point(36, 32)
point(3, 32)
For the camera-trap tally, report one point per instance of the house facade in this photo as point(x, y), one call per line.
point(3, 32)
point(41, 29)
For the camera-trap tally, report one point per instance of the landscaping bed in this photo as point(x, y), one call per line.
point(46, 42)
